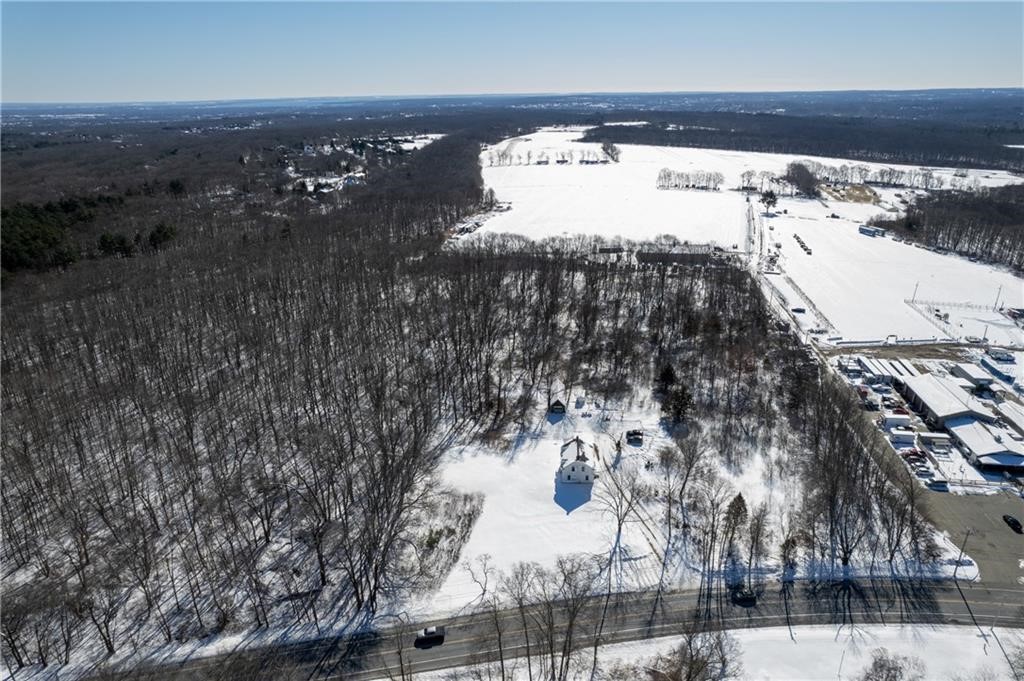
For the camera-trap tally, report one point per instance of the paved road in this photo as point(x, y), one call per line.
point(473, 639)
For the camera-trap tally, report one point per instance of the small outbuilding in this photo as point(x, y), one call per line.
point(557, 407)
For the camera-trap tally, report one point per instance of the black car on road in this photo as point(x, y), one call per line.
point(429, 637)
point(1013, 523)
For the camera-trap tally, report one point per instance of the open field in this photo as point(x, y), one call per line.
point(858, 283)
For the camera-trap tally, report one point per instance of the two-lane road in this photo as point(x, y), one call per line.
point(474, 638)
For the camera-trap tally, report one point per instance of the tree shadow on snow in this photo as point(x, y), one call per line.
point(571, 496)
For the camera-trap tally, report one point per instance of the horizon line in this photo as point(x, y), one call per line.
point(398, 97)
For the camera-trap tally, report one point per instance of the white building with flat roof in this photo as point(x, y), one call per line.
point(973, 373)
point(988, 446)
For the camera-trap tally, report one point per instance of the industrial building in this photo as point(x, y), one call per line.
point(978, 377)
point(940, 399)
point(988, 446)
point(878, 370)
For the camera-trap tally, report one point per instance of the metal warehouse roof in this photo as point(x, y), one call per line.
point(973, 372)
point(1013, 414)
point(946, 399)
point(989, 445)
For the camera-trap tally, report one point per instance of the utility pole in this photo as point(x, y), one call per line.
point(995, 306)
point(960, 557)
point(914, 297)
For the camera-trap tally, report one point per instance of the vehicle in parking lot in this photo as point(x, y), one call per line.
point(1013, 523)
point(430, 637)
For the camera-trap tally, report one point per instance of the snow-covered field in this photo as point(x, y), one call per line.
point(420, 141)
point(859, 283)
point(816, 653)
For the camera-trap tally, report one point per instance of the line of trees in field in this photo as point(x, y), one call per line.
point(918, 178)
point(987, 224)
point(694, 179)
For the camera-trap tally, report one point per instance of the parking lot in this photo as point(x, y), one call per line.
point(998, 550)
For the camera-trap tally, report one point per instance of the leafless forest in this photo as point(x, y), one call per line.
point(240, 427)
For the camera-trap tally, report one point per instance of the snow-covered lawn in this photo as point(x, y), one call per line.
point(858, 283)
point(528, 517)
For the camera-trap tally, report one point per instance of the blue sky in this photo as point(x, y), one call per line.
point(100, 52)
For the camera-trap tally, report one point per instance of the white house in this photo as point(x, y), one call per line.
point(576, 467)
point(577, 471)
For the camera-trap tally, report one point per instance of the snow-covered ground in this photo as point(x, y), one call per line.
point(826, 652)
point(420, 141)
point(527, 517)
point(861, 283)
point(858, 283)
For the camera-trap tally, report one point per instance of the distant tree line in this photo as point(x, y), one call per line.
point(880, 140)
point(987, 223)
point(918, 178)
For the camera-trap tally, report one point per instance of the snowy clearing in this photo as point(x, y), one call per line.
point(527, 517)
